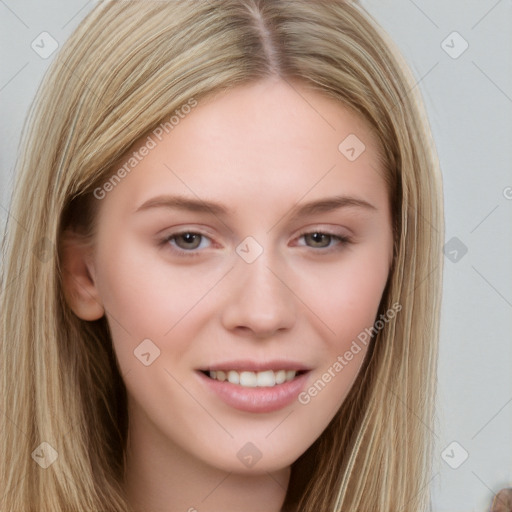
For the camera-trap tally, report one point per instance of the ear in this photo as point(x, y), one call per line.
point(78, 277)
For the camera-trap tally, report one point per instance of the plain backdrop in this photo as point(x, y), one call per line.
point(461, 55)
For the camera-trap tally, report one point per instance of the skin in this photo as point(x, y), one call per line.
point(260, 150)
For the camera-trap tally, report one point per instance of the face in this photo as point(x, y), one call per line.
point(237, 262)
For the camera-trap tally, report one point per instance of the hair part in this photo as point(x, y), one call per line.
point(129, 65)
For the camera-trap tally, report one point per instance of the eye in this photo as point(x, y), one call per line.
point(190, 243)
point(322, 240)
point(186, 241)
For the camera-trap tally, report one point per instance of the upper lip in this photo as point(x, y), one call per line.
point(256, 366)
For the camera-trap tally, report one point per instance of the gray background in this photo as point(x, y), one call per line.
point(469, 103)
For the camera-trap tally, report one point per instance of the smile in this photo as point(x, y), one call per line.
point(249, 379)
point(254, 387)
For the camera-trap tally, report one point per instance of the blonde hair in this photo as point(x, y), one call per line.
point(129, 65)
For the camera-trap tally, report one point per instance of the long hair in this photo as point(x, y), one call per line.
point(127, 67)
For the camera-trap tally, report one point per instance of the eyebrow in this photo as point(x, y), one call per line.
point(204, 206)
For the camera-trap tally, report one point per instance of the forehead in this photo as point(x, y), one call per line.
point(274, 112)
point(275, 138)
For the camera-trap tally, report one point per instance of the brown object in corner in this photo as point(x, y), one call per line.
point(502, 501)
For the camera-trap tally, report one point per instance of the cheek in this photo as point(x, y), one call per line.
point(348, 306)
point(145, 297)
point(346, 297)
point(133, 302)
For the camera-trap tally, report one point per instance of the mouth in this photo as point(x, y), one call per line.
point(254, 387)
point(254, 379)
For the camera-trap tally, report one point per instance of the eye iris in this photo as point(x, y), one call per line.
point(190, 238)
point(193, 240)
point(318, 238)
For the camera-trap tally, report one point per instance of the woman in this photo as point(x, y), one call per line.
point(225, 292)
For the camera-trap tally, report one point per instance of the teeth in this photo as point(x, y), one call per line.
point(248, 379)
point(233, 377)
point(267, 378)
point(280, 376)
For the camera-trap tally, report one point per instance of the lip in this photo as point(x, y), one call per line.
point(256, 366)
point(256, 400)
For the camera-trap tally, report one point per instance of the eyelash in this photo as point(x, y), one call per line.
point(342, 242)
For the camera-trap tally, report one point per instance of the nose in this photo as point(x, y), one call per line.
point(260, 303)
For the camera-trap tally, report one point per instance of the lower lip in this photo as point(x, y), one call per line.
point(264, 399)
